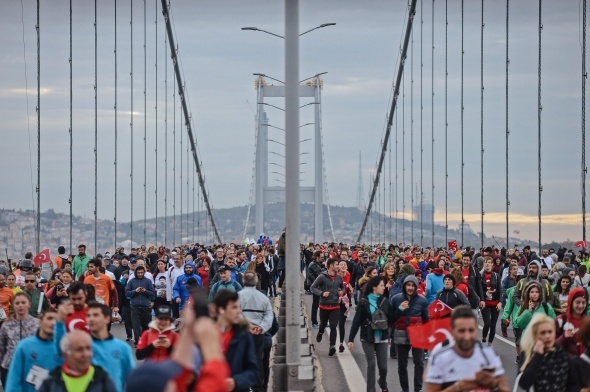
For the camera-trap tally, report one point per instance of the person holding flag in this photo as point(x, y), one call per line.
point(372, 318)
point(451, 365)
point(450, 296)
point(408, 309)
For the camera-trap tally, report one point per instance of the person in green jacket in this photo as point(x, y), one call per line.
point(80, 262)
point(510, 312)
point(35, 296)
point(532, 303)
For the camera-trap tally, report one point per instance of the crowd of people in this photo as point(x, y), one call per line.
point(544, 297)
point(202, 318)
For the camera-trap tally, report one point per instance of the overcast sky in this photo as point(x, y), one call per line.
point(360, 55)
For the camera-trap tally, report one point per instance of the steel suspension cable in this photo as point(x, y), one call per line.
point(116, 135)
point(396, 184)
point(193, 171)
point(181, 172)
point(507, 130)
point(131, 124)
point(71, 138)
point(144, 122)
point(156, 125)
point(187, 192)
point(38, 225)
point(432, 121)
point(481, 151)
point(403, 156)
point(165, 140)
point(584, 76)
point(539, 110)
point(421, 124)
point(446, 124)
point(411, 12)
point(174, 166)
point(396, 191)
point(95, 128)
point(411, 141)
point(462, 133)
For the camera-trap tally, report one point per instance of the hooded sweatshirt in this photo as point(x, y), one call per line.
point(525, 315)
point(180, 288)
point(546, 292)
point(571, 345)
point(145, 347)
point(417, 310)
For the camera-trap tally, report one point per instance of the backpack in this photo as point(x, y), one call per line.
point(398, 286)
point(379, 320)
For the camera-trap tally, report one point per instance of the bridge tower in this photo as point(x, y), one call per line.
point(266, 193)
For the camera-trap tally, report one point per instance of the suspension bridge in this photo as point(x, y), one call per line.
point(482, 120)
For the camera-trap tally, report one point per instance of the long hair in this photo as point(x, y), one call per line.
point(526, 296)
point(529, 336)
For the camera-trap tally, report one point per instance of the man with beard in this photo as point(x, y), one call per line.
point(180, 291)
point(217, 262)
point(80, 262)
point(534, 274)
point(76, 320)
point(464, 364)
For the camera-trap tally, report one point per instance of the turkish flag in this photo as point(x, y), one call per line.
point(452, 245)
point(438, 309)
point(428, 335)
point(581, 244)
point(42, 257)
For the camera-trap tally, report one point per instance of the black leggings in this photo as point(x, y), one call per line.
point(342, 322)
point(281, 278)
point(490, 318)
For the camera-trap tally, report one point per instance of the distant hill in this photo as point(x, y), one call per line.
point(17, 233)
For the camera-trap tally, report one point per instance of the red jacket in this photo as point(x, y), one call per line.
point(145, 348)
point(204, 277)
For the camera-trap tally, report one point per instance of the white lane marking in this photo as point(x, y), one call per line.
point(501, 338)
point(352, 371)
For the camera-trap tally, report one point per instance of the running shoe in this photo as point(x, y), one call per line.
point(332, 351)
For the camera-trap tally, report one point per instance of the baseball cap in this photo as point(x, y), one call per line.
point(223, 268)
point(163, 311)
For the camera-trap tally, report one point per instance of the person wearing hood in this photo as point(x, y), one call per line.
point(492, 288)
point(157, 343)
point(534, 275)
point(181, 292)
point(141, 293)
point(557, 271)
point(567, 325)
point(408, 309)
point(532, 302)
point(450, 295)
point(434, 283)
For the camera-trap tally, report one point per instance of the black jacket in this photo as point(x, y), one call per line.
point(362, 320)
point(101, 382)
point(314, 269)
point(241, 358)
point(495, 285)
point(476, 293)
point(452, 298)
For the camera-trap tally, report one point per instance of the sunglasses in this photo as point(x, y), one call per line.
point(30, 281)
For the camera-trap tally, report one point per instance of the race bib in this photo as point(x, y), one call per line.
point(2, 314)
point(36, 376)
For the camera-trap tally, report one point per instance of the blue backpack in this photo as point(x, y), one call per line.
point(398, 286)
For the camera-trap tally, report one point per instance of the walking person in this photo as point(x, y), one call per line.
point(140, 290)
point(372, 317)
point(330, 287)
point(314, 269)
point(490, 282)
point(409, 309)
point(545, 364)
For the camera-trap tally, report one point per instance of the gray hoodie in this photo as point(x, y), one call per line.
point(519, 288)
point(323, 283)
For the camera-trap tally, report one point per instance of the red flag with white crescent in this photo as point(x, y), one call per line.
point(438, 309)
point(42, 257)
point(581, 244)
point(428, 335)
point(453, 246)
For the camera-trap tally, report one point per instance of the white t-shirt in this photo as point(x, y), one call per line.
point(548, 262)
point(445, 366)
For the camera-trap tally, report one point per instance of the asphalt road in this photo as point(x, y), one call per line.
point(343, 371)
